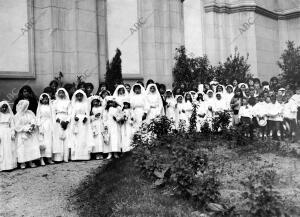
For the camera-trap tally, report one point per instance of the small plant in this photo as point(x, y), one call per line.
point(193, 120)
point(59, 79)
point(176, 160)
point(161, 126)
point(206, 129)
point(221, 121)
point(290, 64)
point(262, 199)
point(114, 71)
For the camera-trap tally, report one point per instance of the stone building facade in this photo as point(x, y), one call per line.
point(77, 37)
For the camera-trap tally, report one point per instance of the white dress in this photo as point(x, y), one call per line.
point(139, 106)
point(180, 116)
point(61, 137)
point(45, 123)
point(188, 108)
point(114, 131)
point(201, 112)
point(127, 132)
point(81, 133)
point(97, 129)
point(170, 108)
point(219, 105)
point(28, 148)
point(155, 106)
point(8, 155)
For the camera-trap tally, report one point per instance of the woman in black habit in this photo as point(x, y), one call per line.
point(26, 93)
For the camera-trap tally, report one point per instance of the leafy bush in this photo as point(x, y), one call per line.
point(176, 160)
point(290, 64)
point(221, 121)
point(206, 129)
point(59, 79)
point(235, 67)
point(161, 126)
point(114, 72)
point(262, 199)
point(193, 120)
point(192, 70)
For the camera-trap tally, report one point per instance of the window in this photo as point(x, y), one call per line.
point(16, 39)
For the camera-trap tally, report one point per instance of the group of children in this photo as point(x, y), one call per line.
point(66, 124)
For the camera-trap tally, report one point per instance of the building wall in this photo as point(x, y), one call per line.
point(269, 24)
point(159, 38)
point(70, 37)
point(73, 36)
point(77, 37)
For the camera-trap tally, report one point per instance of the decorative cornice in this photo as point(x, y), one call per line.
point(230, 9)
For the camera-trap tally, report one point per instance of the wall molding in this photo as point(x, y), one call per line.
point(238, 8)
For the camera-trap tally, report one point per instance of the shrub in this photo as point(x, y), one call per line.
point(161, 126)
point(290, 64)
point(114, 72)
point(190, 70)
point(178, 161)
point(235, 67)
point(193, 120)
point(221, 122)
point(262, 199)
point(206, 129)
point(59, 79)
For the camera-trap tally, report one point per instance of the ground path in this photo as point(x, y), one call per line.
point(42, 191)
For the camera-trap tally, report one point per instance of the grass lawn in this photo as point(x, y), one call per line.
point(119, 189)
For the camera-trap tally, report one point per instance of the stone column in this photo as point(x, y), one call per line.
point(66, 40)
point(160, 36)
point(193, 27)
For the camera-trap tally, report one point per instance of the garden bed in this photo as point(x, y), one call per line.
point(120, 189)
point(174, 173)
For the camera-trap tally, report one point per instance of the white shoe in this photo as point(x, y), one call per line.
point(23, 166)
point(42, 162)
point(109, 156)
point(32, 165)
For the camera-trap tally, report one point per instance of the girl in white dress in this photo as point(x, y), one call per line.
point(61, 118)
point(139, 105)
point(201, 110)
point(220, 104)
point(8, 155)
point(188, 107)
point(228, 95)
point(170, 105)
point(121, 95)
point(209, 99)
point(28, 148)
point(180, 120)
point(127, 128)
point(154, 101)
point(103, 94)
point(113, 128)
point(96, 118)
point(81, 131)
point(45, 124)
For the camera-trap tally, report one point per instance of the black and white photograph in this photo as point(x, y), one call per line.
point(149, 108)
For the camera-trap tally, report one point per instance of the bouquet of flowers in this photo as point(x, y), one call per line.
point(29, 129)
